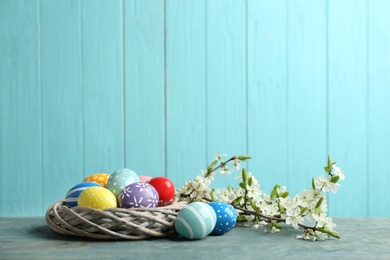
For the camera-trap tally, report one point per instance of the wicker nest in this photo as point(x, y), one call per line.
point(116, 223)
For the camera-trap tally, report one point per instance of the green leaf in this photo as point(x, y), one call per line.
point(312, 184)
point(326, 169)
point(209, 169)
point(335, 179)
point(330, 232)
point(237, 200)
point(284, 194)
point(273, 194)
point(274, 191)
point(253, 204)
point(244, 175)
point(241, 218)
point(242, 185)
point(329, 162)
point(311, 232)
point(213, 163)
point(281, 208)
point(276, 225)
point(319, 202)
point(243, 157)
point(250, 181)
point(229, 188)
point(318, 211)
point(303, 209)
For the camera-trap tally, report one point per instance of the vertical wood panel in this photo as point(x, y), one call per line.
point(348, 104)
point(267, 92)
point(378, 110)
point(73, 103)
point(20, 101)
point(101, 29)
point(185, 89)
point(307, 117)
point(226, 82)
point(62, 95)
point(144, 78)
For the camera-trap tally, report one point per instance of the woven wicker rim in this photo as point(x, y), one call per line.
point(116, 223)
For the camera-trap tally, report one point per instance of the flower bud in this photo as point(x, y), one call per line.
point(243, 157)
point(335, 179)
point(276, 225)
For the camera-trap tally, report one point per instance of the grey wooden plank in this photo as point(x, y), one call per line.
point(31, 238)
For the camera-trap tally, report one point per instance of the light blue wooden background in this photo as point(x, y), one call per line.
point(161, 87)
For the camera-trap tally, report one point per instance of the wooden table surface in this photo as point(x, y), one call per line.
point(31, 238)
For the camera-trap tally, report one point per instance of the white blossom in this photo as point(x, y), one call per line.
point(325, 184)
point(253, 190)
point(196, 189)
point(224, 170)
point(324, 222)
point(270, 210)
point(293, 217)
point(225, 195)
point(338, 171)
point(281, 190)
point(219, 156)
point(288, 202)
point(304, 198)
point(236, 164)
point(307, 236)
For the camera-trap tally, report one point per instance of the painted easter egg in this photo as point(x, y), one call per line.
point(165, 188)
point(119, 179)
point(145, 178)
point(226, 218)
point(74, 193)
point(138, 195)
point(98, 198)
point(101, 178)
point(195, 221)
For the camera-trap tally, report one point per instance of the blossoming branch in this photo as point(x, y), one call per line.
point(306, 210)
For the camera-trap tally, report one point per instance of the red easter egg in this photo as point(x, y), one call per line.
point(165, 188)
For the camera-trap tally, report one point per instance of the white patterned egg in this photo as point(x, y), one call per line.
point(138, 195)
point(119, 179)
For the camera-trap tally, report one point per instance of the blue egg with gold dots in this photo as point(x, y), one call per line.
point(226, 217)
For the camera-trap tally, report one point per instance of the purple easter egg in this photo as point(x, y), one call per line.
point(138, 195)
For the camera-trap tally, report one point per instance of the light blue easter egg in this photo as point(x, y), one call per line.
point(121, 178)
point(226, 218)
point(74, 193)
point(195, 221)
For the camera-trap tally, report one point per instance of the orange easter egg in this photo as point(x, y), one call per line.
point(100, 178)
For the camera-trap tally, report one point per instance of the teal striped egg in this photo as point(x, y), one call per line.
point(74, 193)
point(195, 221)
